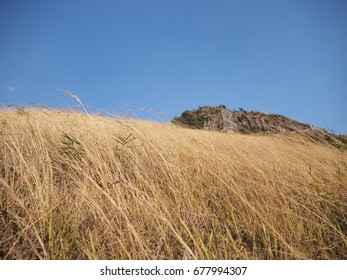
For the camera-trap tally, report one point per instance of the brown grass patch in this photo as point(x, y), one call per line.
point(74, 186)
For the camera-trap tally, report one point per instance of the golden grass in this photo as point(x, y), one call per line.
point(74, 186)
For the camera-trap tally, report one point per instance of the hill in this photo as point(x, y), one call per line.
point(219, 118)
point(77, 186)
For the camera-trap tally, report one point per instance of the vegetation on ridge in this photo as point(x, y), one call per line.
point(76, 186)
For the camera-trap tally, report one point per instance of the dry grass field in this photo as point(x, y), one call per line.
point(78, 186)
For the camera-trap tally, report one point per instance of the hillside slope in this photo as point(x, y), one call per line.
point(74, 186)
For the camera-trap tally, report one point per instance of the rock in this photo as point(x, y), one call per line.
point(222, 119)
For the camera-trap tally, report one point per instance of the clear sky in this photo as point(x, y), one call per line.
point(286, 57)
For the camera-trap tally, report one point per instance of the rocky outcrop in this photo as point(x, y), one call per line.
point(222, 119)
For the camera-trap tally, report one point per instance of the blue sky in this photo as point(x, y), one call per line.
point(285, 57)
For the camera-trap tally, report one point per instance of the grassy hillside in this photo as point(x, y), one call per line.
point(74, 186)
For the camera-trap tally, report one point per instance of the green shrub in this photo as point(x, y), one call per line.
point(191, 119)
point(255, 128)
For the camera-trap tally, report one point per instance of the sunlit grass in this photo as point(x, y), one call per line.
point(74, 186)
